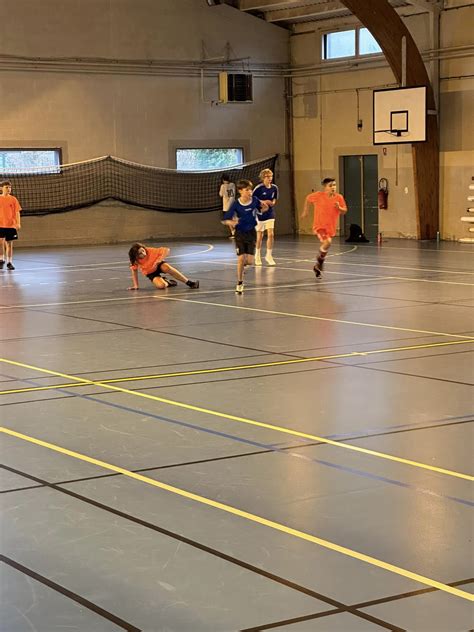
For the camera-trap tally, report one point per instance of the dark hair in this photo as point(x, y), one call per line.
point(133, 252)
point(244, 184)
point(327, 181)
point(5, 183)
point(225, 177)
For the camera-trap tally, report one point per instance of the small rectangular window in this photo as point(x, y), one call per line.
point(25, 160)
point(339, 44)
point(367, 43)
point(194, 159)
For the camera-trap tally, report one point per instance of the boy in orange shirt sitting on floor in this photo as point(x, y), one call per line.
point(9, 223)
point(151, 262)
point(328, 205)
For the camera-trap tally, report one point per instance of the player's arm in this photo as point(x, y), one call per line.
point(134, 279)
point(260, 205)
point(229, 217)
point(17, 218)
point(342, 208)
point(306, 208)
point(275, 199)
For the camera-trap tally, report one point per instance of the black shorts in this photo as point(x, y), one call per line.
point(8, 233)
point(157, 272)
point(245, 242)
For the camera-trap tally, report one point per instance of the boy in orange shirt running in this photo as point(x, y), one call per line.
point(9, 223)
point(328, 205)
point(151, 262)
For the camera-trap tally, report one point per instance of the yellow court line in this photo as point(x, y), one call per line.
point(239, 367)
point(309, 317)
point(332, 546)
point(251, 422)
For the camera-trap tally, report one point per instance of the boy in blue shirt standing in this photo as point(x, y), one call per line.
point(241, 215)
point(266, 192)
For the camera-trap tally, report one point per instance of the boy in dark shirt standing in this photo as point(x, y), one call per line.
point(241, 215)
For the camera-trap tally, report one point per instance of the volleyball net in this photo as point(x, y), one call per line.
point(45, 190)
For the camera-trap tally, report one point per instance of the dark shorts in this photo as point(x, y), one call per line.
point(8, 233)
point(245, 242)
point(156, 273)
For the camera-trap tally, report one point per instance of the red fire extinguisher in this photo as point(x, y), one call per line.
point(383, 193)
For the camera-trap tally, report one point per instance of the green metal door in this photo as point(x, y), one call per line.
point(360, 188)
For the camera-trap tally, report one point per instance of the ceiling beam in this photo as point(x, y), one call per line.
point(264, 5)
point(307, 12)
point(427, 5)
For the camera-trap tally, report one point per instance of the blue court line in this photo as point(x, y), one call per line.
point(415, 424)
point(270, 447)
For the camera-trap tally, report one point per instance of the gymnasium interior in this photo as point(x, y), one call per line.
point(297, 457)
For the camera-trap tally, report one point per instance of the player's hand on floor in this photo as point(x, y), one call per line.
point(133, 288)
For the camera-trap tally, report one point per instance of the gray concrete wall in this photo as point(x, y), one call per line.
point(135, 115)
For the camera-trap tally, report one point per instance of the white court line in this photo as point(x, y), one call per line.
point(414, 279)
point(123, 262)
point(309, 317)
point(217, 291)
point(376, 265)
point(377, 248)
point(433, 281)
point(344, 252)
point(226, 262)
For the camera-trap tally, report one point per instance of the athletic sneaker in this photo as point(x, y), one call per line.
point(258, 259)
point(10, 266)
point(193, 284)
point(171, 282)
point(239, 288)
point(269, 259)
point(2, 263)
point(317, 270)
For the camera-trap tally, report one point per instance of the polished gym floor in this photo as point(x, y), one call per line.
point(297, 458)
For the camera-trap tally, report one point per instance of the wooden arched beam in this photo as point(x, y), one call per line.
point(388, 29)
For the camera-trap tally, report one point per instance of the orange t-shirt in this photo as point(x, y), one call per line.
point(149, 263)
point(9, 210)
point(326, 213)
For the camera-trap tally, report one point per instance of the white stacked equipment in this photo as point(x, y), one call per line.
point(469, 218)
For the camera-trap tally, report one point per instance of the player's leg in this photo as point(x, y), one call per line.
point(260, 230)
point(9, 254)
point(159, 283)
point(325, 244)
point(270, 240)
point(3, 255)
point(239, 288)
point(167, 269)
point(324, 249)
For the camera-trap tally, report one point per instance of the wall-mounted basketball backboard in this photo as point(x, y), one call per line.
point(400, 115)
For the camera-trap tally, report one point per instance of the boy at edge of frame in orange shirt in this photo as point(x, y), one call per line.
point(9, 223)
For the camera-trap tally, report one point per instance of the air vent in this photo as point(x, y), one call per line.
point(235, 88)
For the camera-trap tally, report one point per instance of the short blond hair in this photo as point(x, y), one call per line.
point(265, 172)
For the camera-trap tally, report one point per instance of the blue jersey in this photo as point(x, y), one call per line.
point(246, 214)
point(266, 193)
